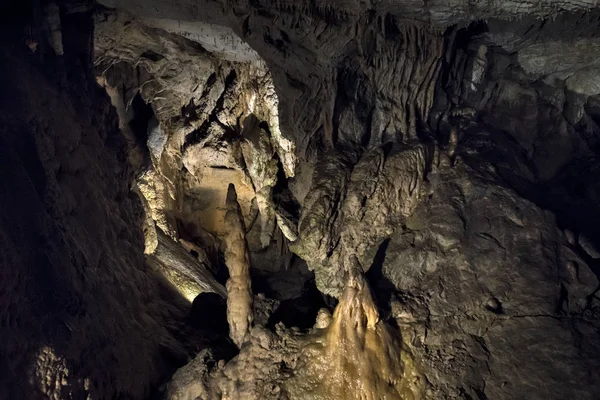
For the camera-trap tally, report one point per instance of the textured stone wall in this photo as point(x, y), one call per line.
point(81, 316)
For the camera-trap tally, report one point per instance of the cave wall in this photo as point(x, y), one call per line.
point(81, 313)
point(460, 252)
point(225, 129)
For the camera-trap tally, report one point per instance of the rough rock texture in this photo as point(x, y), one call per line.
point(257, 372)
point(190, 381)
point(361, 80)
point(183, 270)
point(433, 157)
point(75, 293)
point(346, 216)
point(219, 40)
point(360, 355)
point(453, 165)
point(237, 259)
point(420, 154)
point(453, 302)
point(437, 12)
point(199, 142)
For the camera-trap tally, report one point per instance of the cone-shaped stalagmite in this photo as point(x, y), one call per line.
point(357, 356)
point(239, 291)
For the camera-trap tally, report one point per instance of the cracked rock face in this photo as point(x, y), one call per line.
point(415, 212)
point(224, 131)
point(366, 206)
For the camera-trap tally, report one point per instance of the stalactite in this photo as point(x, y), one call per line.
point(52, 17)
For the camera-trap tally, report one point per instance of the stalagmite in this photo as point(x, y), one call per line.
point(356, 356)
point(239, 291)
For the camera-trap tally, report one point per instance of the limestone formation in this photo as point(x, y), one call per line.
point(237, 259)
point(262, 169)
point(182, 269)
point(199, 133)
point(357, 356)
point(405, 195)
point(349, 213)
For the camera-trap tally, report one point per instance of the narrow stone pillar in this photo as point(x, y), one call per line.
point(239, 291)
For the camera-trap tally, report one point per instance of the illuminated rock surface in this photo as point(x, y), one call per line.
point(358, 356)
point(237, 259)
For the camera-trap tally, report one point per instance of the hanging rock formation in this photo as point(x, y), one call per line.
point(350, 211)
point(183, 270)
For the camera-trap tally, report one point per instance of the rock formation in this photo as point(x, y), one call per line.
point(360, 356)
point(182, 269)
point(239, 290)
point(76, 292)
point(400, 195)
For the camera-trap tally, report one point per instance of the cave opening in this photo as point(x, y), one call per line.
point(142, 114)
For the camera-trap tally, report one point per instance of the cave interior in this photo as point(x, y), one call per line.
point(311, 199)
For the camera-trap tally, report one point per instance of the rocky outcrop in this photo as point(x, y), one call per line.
point(346, 216)
point(198, 141)
point(262, 168)
point(475, 259)
point(258, 372)
point(182, 269)
point(360, 355)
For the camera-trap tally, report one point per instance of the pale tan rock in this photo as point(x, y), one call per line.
point(51, 374)
point(357, 356)
point(262, 169)
point(189, 382)
point(323, 319)
point(158, 193)
point(237, 259)
point(191, 276)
